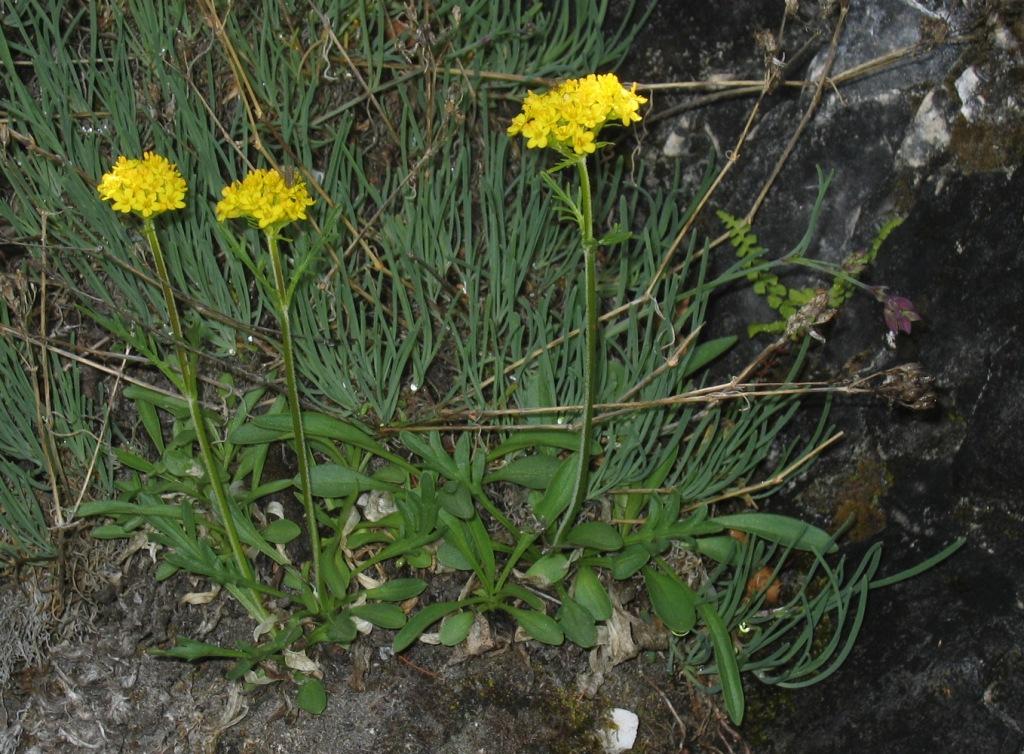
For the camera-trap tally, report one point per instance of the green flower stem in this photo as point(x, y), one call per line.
point(586, 223)
point(524, 544)
point(301, 451)
point(190, 388)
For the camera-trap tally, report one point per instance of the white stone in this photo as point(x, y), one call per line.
point(928, 134)
point(376, 505)
point(1004, 39)
point(674, 145)
point(967, 88)
point(621, 735)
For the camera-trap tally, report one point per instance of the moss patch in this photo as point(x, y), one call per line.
point(857, 499)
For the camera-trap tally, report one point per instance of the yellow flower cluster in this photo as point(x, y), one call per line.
point(265, 197)
point(144, 187)
point(571, 115)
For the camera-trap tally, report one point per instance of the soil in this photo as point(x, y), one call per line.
point(939, 664)
point(101, 691)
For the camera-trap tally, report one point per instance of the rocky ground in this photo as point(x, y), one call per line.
point(935, 134)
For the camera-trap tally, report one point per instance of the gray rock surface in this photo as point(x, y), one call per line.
point(939, 139)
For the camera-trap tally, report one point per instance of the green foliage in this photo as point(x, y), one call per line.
point(312, 696)
point(673, 601)
point(784, 300)
point(857, 262)
point(794, 644)
point(24, 535)
point(49, 433)
point(787, 301)
point(434, 308)
point(19, 439)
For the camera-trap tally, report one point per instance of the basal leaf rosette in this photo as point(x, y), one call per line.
point(143, 187)
point(266, 198)
point(570, 116)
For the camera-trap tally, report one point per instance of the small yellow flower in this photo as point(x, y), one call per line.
point(265, 197)
point(144, 187)
point(571, 115)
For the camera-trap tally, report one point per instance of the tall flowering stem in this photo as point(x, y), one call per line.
point(586, 224)
point(269, 201)
point(288, 355)
point(146, 188)
point(568, 119)
point(190, 388)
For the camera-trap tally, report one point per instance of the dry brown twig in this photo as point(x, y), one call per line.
point(99, 366)
point(99, 438)
point(247, 95)
point(44, 403)
point(808, 113)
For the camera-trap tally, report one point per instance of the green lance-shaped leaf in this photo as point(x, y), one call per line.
point(538, 625)
point(419, 557)
point(433, 453)
point(339, 630)
point(618, 234)
point(134, 461)
point(420, 622)
point(548, 569)
point(456, 628)
point(722, 548)
point(536, 438)
point(151, 422)
point(451, 556)
point(707, 352)
point(484, 546)
point(534, 472)
point(577, 622)
point(177, 407)
point(381, 615)
point(335, 570)
point(596, 535)
point(312, 696)
point(514, 591)
point(455, 498)
point(121, 508)
point(789, 532)
point(396, 590)
point(427, 506)
point(332, 480)
point(164, 571)
point(181, 463)
point(631, 560)
point(589, 592)
point(268, 428)
point(673, 601)
point(191, 650)
point(281, 532)
point(473, 542)
point(462, 454)
point(558, 496)
point(110, 531)
point(725, 660)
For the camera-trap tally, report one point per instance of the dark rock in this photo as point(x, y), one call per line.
point(938, 140)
